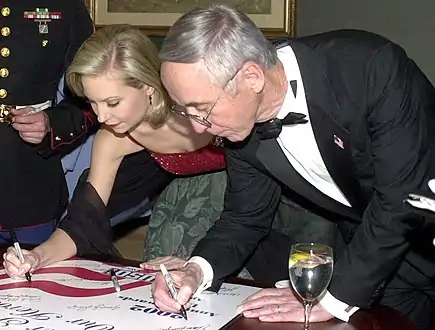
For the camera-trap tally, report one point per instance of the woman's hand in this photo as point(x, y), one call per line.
point(170, 262)
point(13, 266)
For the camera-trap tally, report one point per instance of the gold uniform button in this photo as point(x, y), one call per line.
point(4, 72)
point(6, 11)
point(5, 31)
point(3, 93)
point(5, 52)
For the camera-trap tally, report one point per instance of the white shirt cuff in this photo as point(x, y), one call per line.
point(336, 307)
point(207, 273)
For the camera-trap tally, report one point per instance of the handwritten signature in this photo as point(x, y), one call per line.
point(198, 327)
point(225, 291)
point(82, 308)
point(19, 298)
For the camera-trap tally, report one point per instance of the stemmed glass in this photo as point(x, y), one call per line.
point(310, 269)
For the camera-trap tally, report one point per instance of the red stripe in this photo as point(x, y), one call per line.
point(79, 272)
point(68, 291)
point(50, 223)
point(88, 122)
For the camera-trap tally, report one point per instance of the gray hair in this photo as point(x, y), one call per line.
point(223, 37)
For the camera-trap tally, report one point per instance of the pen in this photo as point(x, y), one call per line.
point(115, 281)
point(19, 252)
point(171, 287)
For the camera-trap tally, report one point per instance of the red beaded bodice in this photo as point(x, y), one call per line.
point(206, 159)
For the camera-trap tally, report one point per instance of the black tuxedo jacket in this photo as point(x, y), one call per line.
point(370, 109)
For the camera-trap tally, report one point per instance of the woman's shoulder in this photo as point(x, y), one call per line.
point(103, 137)
point(114, 144)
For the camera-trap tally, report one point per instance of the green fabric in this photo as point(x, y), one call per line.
point(189, 206)
point(183, 213)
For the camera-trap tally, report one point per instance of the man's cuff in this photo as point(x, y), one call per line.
point(337, 308)
point(207, 273)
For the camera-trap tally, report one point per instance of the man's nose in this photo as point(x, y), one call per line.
point(197, 127)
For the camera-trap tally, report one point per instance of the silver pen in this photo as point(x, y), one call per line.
point(115, 281)
point(20, 255)
point(173, 291)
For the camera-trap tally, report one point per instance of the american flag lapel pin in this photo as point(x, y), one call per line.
point(338, 142)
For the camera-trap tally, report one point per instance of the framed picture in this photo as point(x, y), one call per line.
point(274, 17)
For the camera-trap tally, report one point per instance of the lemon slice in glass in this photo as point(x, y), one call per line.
point(297, 257)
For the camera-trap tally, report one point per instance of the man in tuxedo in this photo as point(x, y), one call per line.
point(339, 123)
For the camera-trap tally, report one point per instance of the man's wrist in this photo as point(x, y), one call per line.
point(337, 308)
point(194, 269)
point(205, 272)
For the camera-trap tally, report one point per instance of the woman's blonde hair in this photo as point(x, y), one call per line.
point(132, 54)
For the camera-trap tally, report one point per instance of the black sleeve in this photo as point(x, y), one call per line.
point(251, 200)
point(86, 222)
point(72, 120)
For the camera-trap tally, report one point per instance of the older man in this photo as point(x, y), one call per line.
point(338, 121)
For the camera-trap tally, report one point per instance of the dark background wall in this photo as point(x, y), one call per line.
point(410, 23)
point(157, 40)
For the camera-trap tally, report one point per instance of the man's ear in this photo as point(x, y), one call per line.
point(254, 76)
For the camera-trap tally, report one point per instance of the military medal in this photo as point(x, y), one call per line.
point(42, 16)
point(43, 27)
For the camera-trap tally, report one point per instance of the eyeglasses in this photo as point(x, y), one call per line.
point(181, 111)
point(203, 120)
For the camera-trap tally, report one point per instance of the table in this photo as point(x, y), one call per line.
point(377, 318)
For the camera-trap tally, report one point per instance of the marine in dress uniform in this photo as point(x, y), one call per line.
point(38, 41)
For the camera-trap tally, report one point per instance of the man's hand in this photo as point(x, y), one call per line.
point(279, 305)
point(32, 128)
point(187, 280)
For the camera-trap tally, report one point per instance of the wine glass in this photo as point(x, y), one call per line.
point(310, 269)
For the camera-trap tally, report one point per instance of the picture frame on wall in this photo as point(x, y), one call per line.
point(274, 17)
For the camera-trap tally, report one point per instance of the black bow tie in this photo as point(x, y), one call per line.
point(272, 128)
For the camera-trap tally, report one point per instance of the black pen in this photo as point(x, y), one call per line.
point(19, 252)
point(172, 290)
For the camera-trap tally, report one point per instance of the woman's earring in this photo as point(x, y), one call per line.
point(151, 100)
